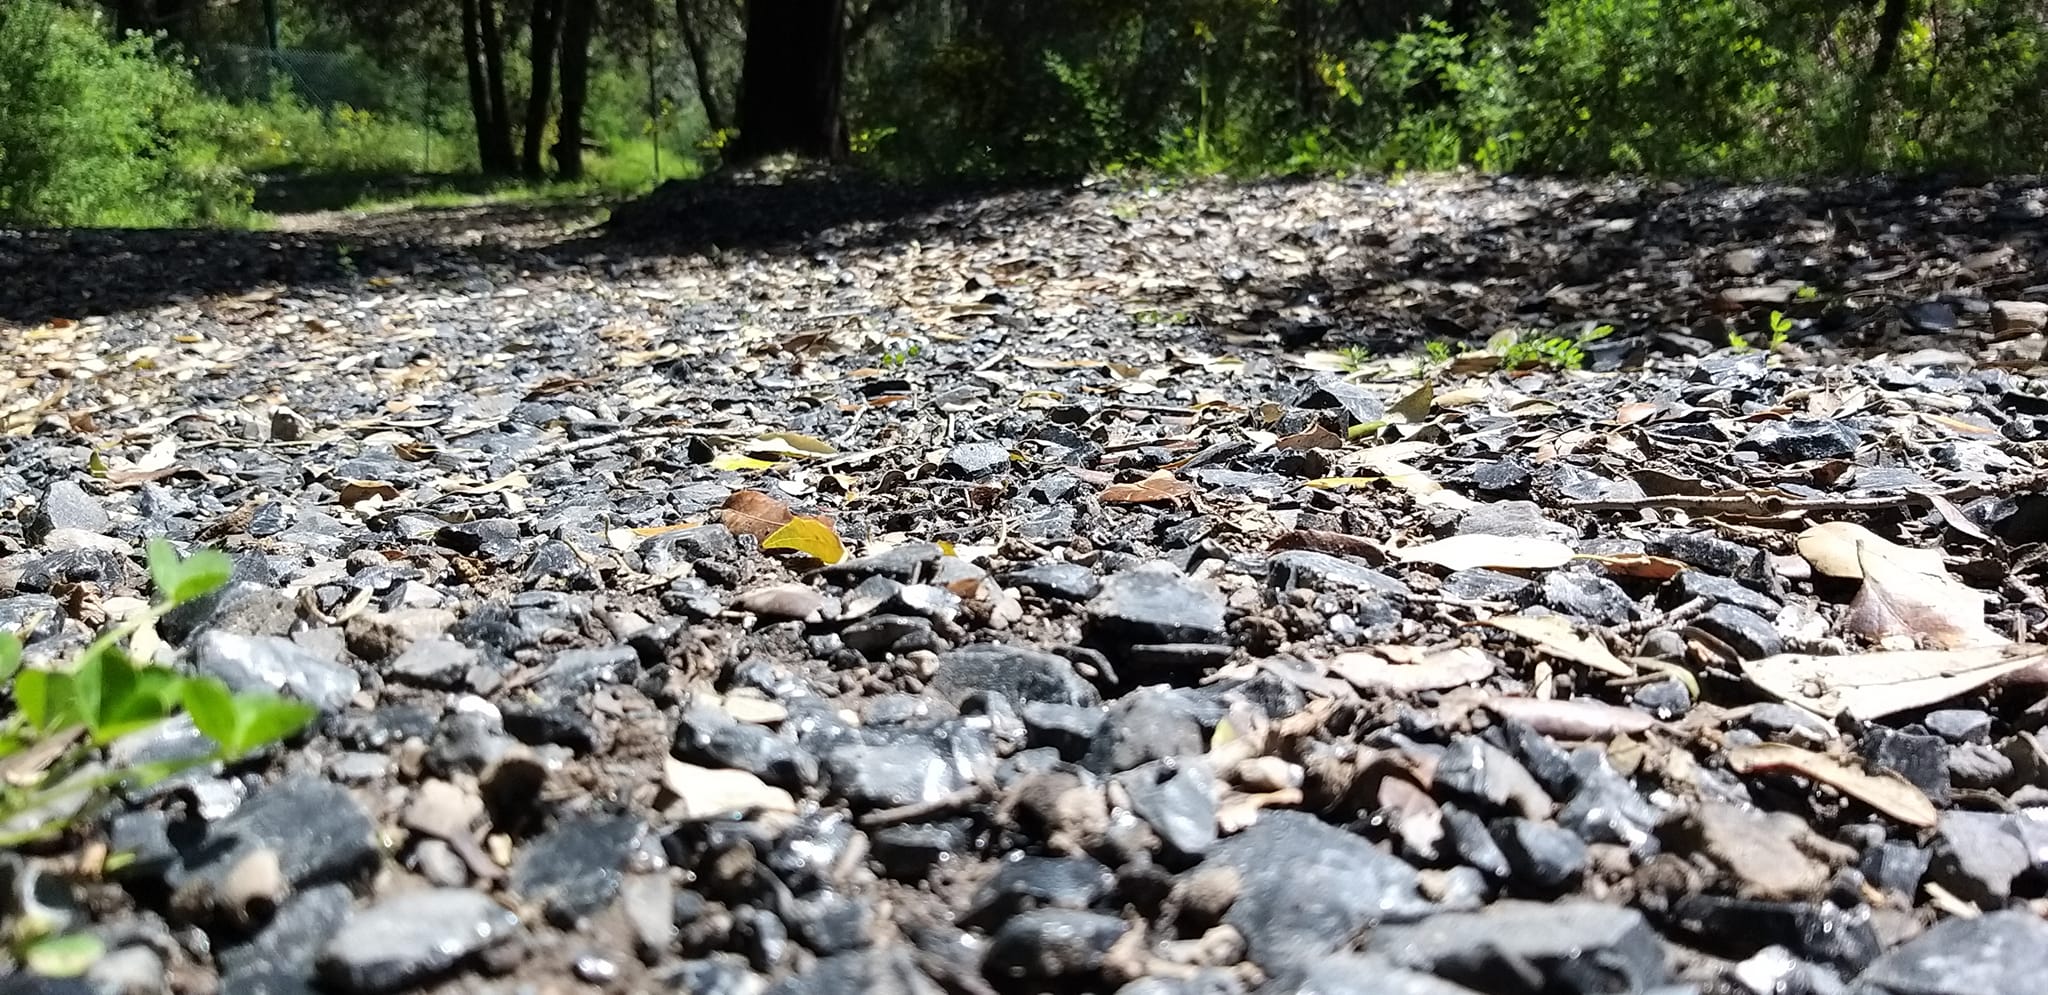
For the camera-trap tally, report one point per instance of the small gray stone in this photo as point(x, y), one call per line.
point(884, 971)
point(1540, 853)
point(1050, 944)
point(410, 938)
point(1059, 581)
point(1960, 725)
point(1019, 674)
point(1999, 952)
point(1797, 440)
point(1714, 554)
point(1358, 404)
point(576, 868)
point(32, 618)
point(317, 830)
point(438, 662)
point(1298, 568)
point(1977, 855)
point(292, 938)
point(1743, 631)
point(1692, 584)
point(1178, 800)
point(272, 663)
point(1308, 887)
point(1487, 585)
point(1154, 603)
point(65, 505)
point(1143, 726)
point(1588, 596)
point(975, 460)
point(1512, 518)
point(1571, 946)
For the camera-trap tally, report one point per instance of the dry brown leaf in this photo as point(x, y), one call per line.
point(1316, 437)
point(1160, 486)
point(1474, 550)
point(1402, 669)
point(1886, 792)
point(1554, 635)
point(1831, 548)
point(1873, 685)
point(754, 513)
point(1899, 608)
point(355, 492)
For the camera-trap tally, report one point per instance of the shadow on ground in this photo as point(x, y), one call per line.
point(295, 192)
point(1641, 256)
point(49, 274)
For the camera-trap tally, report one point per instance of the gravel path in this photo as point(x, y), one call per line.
point(1220, 589)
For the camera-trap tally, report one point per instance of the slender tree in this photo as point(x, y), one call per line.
point(577, 19)
point(697, 46)
point(543, 33)
point(790, 78)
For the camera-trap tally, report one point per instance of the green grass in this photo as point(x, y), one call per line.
point(620, 174)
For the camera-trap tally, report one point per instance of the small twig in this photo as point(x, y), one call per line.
point(922, 810)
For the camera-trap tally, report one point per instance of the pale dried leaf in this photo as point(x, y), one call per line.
point(1832, 549)
point(701, 794)
point(1873, 685)
point(1886, 792)
point(1897, 605)
point(1399, 669)
point(1554, 636)
point(1474, 550)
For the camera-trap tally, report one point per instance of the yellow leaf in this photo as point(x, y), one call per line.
point(1331, 483)
point(798, 442)
point(1413, 408)
point(808, 536)
point(740, 461)
point(946, 548)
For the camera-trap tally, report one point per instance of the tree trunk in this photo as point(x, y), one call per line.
point(576, 21)
point(544, 31)
point(479, 90)
point(700, 67)
point(1891, 21)
point(790, 79)
point(502, 160)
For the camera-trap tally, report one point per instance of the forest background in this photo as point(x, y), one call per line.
point(150, 113)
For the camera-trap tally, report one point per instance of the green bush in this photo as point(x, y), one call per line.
point(99, 133)
point(291, 134)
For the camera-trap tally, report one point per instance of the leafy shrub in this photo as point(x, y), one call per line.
point(291, 134)
point(98, 133)
point(63, 715)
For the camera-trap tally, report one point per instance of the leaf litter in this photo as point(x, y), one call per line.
point(1413, 560)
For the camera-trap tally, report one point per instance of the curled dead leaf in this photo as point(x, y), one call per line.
point(1886, 792)
point(1899, 608)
